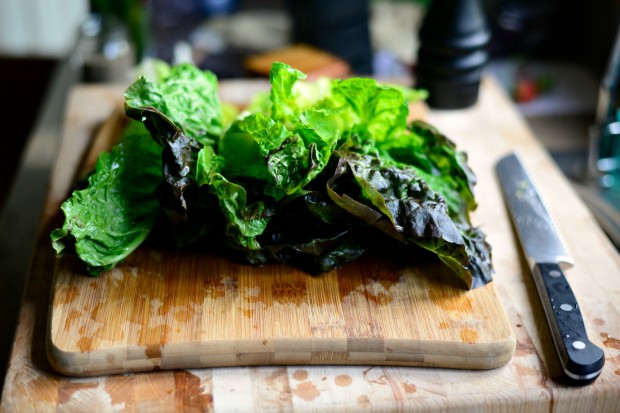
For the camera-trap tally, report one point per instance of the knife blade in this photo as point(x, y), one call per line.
point(547, 257)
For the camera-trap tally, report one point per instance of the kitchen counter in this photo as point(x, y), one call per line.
point(528, 382)
point(26, 177)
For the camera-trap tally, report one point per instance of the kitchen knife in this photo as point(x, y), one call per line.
point(581, 360)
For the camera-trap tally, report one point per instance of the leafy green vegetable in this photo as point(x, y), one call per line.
point(245, 220)
point(312, 174)
point(401, 204)
point(187, 96)
point(437, 161)
point(109, 219)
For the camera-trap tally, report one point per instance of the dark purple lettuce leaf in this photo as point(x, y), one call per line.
point(399, 203)
point(310, 232)
point(438, 162)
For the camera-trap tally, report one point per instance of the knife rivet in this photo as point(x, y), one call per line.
point(579, 345)
point(555, 273)
point(566, 307)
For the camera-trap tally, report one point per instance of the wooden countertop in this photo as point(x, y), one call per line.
point(528, 382)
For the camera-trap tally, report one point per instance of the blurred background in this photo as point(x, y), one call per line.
point(549, 55)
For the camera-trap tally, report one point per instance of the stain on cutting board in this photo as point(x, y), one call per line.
point(182, 309)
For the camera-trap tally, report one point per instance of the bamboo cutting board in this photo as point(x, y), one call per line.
point(164, 309)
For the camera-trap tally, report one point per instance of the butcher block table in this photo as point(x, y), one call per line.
point(524, 375)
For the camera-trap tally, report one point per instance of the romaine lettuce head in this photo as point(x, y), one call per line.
point(312, 174)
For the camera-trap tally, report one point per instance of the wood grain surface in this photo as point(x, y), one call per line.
point(165, 310)
point(171, 309)
point(529, 382)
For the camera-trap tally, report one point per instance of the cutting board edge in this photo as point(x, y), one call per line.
point(450, 355)
point(70, 360)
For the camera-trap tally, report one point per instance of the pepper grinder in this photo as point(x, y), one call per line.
point(452, 54)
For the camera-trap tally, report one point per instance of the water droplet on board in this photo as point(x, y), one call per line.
point(610, 341)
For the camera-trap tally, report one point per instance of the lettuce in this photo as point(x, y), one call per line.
point(312, 174)
point(109, 219)
point(400, 203)
point(188, 97)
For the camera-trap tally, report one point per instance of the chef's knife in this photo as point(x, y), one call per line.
point(581, 360)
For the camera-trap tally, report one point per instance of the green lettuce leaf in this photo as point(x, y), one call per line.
point(187, 96)
point(374, 111)
point(245, 220)
point(108, 220)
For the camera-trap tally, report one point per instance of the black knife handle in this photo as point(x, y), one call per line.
point(581, 360)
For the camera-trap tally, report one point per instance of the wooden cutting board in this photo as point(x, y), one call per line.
point(164, 309)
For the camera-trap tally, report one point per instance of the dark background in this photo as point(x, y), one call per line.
point(581, 32)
